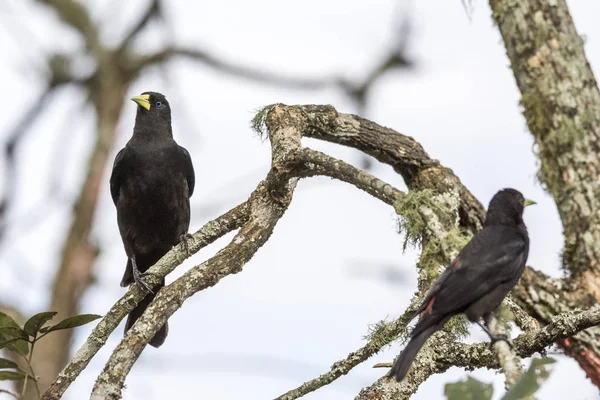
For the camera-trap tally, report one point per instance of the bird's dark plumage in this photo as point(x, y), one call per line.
point(477, 281)
point(151, 183)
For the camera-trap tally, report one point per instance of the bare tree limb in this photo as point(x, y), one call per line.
point(75, 15)
point(305, 161)
point(511, 363)
point(420, 172)
point(478, 355)
point(522, 319)
point(403, 153)
point(154, 10)
point(382, 335)
point(231, 68)
point(267, 204)
point(210, 232)
point(561, 103)
point(14, 137)
point(288, 162)
point(316, 163)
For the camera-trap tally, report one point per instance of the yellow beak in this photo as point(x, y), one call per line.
point(142, 100)
point(528, 202)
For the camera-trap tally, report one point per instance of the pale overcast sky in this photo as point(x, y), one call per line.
point(307, 297)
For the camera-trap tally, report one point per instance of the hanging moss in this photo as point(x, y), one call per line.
point(258, 123)
point(412, 222)
point(439, 251)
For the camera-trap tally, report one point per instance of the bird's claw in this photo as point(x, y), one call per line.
point(500, 337)
point(138, 278)
point(184, 242)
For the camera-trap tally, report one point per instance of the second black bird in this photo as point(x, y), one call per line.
point(151, 184)
point(477, 281)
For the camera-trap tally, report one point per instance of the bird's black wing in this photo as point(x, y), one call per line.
point(116, 175)
point(188, 169)
point(492, 257)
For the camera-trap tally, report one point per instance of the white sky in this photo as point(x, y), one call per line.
point(307, 297)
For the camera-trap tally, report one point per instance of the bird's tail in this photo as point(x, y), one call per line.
point(161, 334)
point(403, 363)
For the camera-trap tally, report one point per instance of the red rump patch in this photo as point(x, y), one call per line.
point(429, 305)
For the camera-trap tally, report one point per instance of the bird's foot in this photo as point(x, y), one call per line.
point(500, 337)
point(184, 242)
point(138, 277)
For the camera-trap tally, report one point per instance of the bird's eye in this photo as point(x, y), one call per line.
point(158, 104)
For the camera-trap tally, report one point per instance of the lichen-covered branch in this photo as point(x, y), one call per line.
point(304, 162)
point(381, 335)
point(479, 355)
point(543, 297)
point(210, 232)
point(402, 152)
point(561, 103)
point(511, 363)
point(267, 204)
point(289, 161)
point(315, 163)
point(439, 212)
point(265, 211)
point(115, 68)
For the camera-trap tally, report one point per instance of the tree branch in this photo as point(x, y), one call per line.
point(315, 163)
point(152, 11)
point(267, 204)
point(382, 335)
point(232, 69)
point(478, 355)
point(561, 103)
point(403, 153)
point(75, 15)
point(211, 231)
point(14, 137)
point(420, 173)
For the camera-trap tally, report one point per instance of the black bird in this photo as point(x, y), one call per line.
point(477, 281)
point(151, 184)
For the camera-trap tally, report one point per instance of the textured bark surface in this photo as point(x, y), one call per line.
point(437, 199)
point(433, 217)
point(210, 232)
point(114, 68)
point(561, 103)
point(446, 353)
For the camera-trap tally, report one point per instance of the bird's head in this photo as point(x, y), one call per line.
point(507, 207)
point(153, 108)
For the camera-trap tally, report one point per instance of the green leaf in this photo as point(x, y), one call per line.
point(33, 324)
point(20, 346)
point(531, 380)
point(72, 322)
point(13, 337)
point(11, 376)
point(5, 343)
point(6, 363)
point(10, 332)
point(6, 321)
point(471, 389)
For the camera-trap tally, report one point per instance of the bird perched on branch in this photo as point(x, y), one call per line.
point(151, 184)
point(477, 281)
